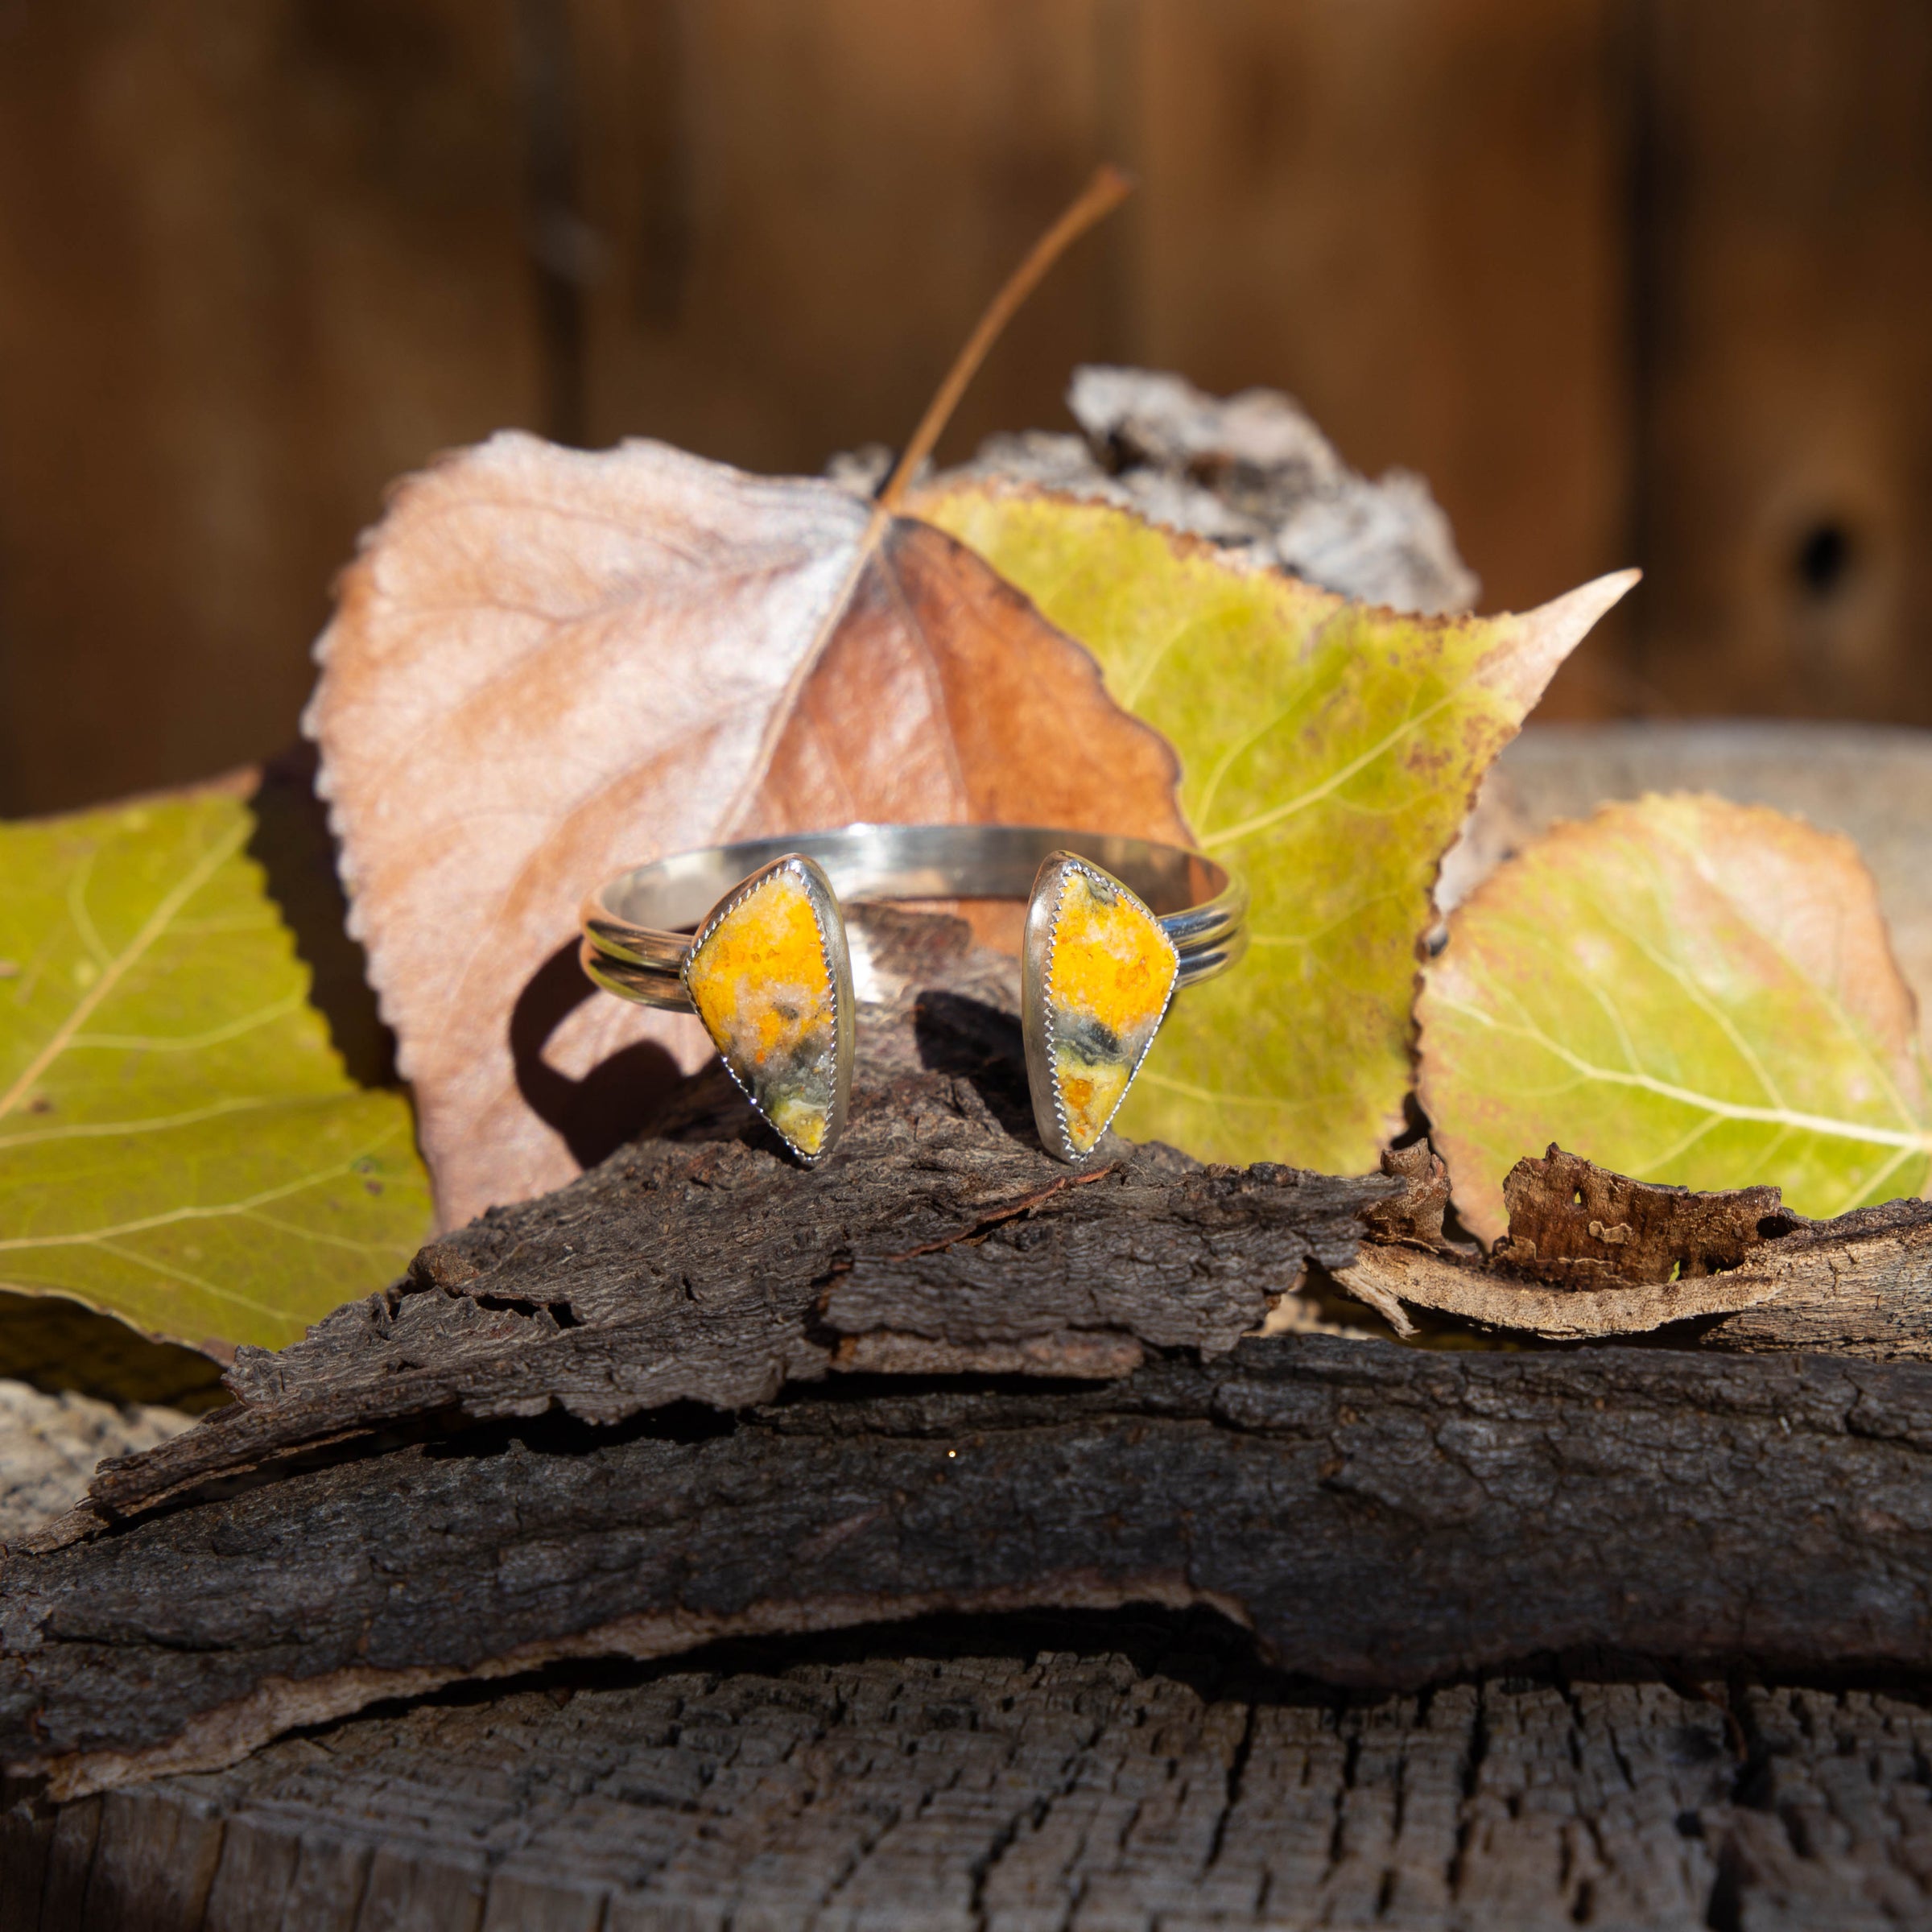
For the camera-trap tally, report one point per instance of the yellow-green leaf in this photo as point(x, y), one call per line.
point(1330, 750)
point(1684, 990)
point(180, 1143)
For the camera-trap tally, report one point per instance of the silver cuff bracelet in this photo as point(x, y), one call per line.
point(751, 937)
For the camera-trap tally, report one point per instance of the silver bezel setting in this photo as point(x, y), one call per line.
point(837, 953)
point(1036, 1000)
point(641, 926)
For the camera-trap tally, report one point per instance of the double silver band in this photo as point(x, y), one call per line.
point(639, 927)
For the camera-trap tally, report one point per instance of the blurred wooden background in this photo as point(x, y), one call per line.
point(1628, 280)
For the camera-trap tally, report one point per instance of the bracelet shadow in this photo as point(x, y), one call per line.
point(618, 1099)
point(976, 1041)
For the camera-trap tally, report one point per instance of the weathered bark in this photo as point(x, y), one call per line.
point(702, 1266)
point(1860, 1285)
point(705, 1267)
point(1392, 1279)
point(1590, 1254)
point(1577, 1225)
point(1042, 1776)
point(1379, 1516)
point(1253, 473)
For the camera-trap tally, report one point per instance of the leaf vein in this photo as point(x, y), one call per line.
point(157, 923)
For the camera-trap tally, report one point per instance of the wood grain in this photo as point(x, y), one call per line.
point(1408, 216)
point(1628, 285)
point(822, 195)
point(253, 263)
point(251, 270)
point(1035, 1775)
point(1787, 380)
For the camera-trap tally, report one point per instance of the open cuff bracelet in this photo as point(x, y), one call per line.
point(1114, 926)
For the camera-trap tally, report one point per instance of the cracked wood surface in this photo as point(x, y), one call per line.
point(1379, 1516)
point(1120, 1774)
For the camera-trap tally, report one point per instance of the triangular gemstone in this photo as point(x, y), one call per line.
point(760, 979)
point(1110, 971)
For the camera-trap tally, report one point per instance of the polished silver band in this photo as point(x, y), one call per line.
point(645, 931)
point(638, 927)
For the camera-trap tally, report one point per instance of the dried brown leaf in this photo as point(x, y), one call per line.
point(546, 664)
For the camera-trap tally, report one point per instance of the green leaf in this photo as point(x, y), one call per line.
point(1330, 751)
point(1683, 990)
point(180, 1142)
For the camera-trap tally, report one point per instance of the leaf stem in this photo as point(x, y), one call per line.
point(1107, 189)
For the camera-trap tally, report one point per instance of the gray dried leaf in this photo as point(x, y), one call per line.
point(1252, 471)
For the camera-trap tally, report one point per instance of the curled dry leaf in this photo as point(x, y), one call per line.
point(1690, 991)
point(546, 665)
point(1331, 750)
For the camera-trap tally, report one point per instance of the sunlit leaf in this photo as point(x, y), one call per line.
point(1330, 750)
point(180, 1142)
point(1683, 990)
point(546, 665)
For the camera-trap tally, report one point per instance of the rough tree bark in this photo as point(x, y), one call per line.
point(1590, 1254)
point(701, 1265)
point(1377, 1516)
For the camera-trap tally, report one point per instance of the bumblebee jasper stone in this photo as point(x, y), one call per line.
point(1110, 970)
point(761, 984)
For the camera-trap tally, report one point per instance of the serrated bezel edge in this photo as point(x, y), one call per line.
point(1074, 863)
point(747, 889)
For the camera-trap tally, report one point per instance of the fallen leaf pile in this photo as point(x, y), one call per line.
point(546, 665)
